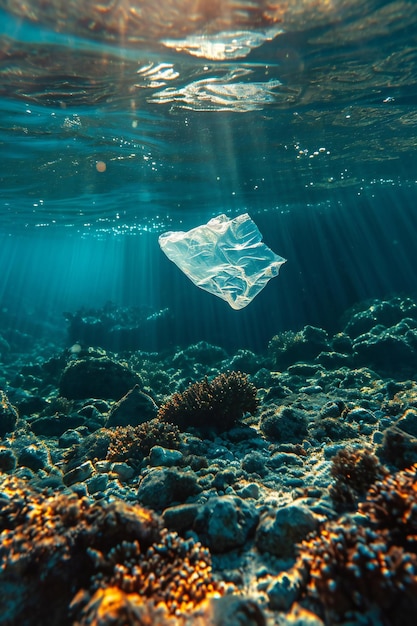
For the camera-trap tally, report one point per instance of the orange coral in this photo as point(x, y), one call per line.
point(392, 503)
point(353, 471)
point(358, 567)
point(173, 573)
point(59, 551)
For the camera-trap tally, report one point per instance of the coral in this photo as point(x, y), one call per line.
point(113, 607)
point(43, 547)
point(172, 571)
point(398, 447)
point(354, 568)
point(289, 347)
point(133, 443)
point(391, 504)
point(354, 472)
point(110, 606)
point(215, 404)
point(370, 566)
point(123, 443)
point(65, 561)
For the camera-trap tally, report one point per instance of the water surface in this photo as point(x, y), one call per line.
point(121, 120)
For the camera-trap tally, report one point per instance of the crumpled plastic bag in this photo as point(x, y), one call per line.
point(225, 257)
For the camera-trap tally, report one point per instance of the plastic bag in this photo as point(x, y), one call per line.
point(225, 257)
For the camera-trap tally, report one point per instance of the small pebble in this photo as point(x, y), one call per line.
point(123, 470)
point(96, 483)
point(251, 490)
point(79, 474)
point(160, 456)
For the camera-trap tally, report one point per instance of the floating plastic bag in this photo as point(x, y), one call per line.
point(225, 257)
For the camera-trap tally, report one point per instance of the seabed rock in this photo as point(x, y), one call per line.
point(96, 377)
point(279, 531)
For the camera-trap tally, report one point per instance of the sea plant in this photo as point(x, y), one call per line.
point(211, 405)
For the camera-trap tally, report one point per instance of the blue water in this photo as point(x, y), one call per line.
point(306, 119)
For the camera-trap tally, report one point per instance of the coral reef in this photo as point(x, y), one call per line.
point(172, 572)
point(353, 471)
point(132, 443)
point(123, 443)
point(119, 328)
point(354, 568)
point(212, 405)
point(289, 347)
point(392, 504)
point(59, 551)
point(74, 551)
point(351, 566)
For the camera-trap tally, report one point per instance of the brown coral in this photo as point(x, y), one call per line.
point(215, 404)
point(354, 568)
point(172, 572)
point(354, 472)
point(351, 567)
point(60, 552)
point(133, 443)
point(391, 504)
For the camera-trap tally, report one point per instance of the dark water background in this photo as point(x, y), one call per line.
point(313, 132)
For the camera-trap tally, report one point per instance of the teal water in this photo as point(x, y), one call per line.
point(115, 128)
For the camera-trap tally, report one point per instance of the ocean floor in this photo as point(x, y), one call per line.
point(199, 487)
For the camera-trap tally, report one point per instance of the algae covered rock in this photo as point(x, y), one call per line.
point(332, 428)
point(366, 315)
point(162, 487)
point(134, 408)
point(279, 531)
point(390, 348)
point(398, 447)
point(383, 333)
point(289, 347)
point(226, 522)
point(96, 377)
point(287, 424)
